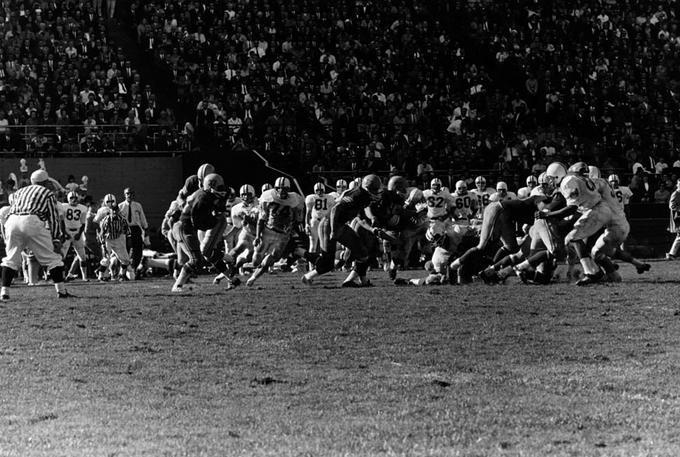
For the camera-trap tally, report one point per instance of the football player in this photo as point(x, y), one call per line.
point(317, 206)
point(622, 193)
point(244, 216)
point(340, 187)
point(524, 192)
point(74, 215)
point(439, 202)
point(464, 205)
point(230, 232)
point(483, 195)
point(447, 243)
point(279, 212)
point(204, 211)
point(265, 187)
point(335, 229)
point(502, 193)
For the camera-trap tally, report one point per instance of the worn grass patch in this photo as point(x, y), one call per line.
point(131, 369)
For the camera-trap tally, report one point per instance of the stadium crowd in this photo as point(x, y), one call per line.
point(458, 86)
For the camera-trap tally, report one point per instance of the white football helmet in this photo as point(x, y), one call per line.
point(436, 233)
point(436, 184)
point(397, 184)
point(556, 171)
point(531, 181)
point(204, 170)
point(247, 192)
point(319, 188)
point(461, 187)
point(265, 187)
point(416, 196)
point(109, 200)
point(613, 181)
point(340, 186)
point(72, 196)
point(480, 182)
point(356, 182)
point(579, 168)
point(501, 186)
point(282, 186)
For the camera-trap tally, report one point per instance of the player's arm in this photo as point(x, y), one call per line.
point(309, 204)
point(674, 202)
point(261, 221)
point(560, 213)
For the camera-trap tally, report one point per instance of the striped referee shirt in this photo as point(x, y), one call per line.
point(114, 225)
point(39, 201)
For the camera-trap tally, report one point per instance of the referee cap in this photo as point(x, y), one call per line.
point(39, 176)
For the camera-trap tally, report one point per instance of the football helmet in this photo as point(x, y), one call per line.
point(282, 186)
point(319, 189)
point(191, 184)
point(397, 184)
point(109, 200)
point(204, 170)
point(436, 233)
point(436, 184)
point(247, 193)
point(356, 182)
point(613, 181)
point(556, 171)
point(340, 186)
point(480, 182)
point(501, 186)
point(594, 172)
point(265, 187)
point(215, 184)
point(372, 184)
point(579, 168)
point(461, 187)
point(531, 181)
point(72, 195)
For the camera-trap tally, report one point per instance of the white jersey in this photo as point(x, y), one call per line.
point(319, 207)
point(623, 194)
point(609, 196)
point(280, 213)
point(74, 216)
point(496, 197)
point(483, 198)
point(241, 211)
point(464, 206)
point(580, 191)
point(438, 203)
point(229, 204)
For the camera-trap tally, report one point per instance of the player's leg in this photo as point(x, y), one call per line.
point(14, 245)
point(40, 244)
point(80, 258)
point(328, 246)
point(189, 244)
point(274, 245)
point(674, 251)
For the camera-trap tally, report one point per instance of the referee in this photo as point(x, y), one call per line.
point(33, 223)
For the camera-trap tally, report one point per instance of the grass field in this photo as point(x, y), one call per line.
point(283, 370)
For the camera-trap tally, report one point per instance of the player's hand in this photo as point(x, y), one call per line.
point(541, 214)
point(56, 245)
point(147, 241)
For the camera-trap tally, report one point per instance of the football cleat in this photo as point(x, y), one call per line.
point(643, 268)
point(4, 297)
point(65, 294)
point(401, 282)
point(177, 289)
point(250, 282)
point(489, 276)
point(590, 279)
point(670, 256)
point(216, 281)
point(306, 281)
point(350, 284)
point(613, 276)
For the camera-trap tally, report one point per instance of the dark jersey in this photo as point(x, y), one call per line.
point(522, 211)
point(349, 206)
point(384, 209)
point(202, 211)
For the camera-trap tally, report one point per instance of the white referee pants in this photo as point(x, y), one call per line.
point(29, 232)
point(118, 247)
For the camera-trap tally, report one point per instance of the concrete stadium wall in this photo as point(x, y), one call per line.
point(155, 180)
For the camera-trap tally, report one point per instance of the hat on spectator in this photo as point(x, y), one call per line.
point(39, 176)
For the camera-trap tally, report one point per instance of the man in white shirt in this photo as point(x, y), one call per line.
point(133, 213)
